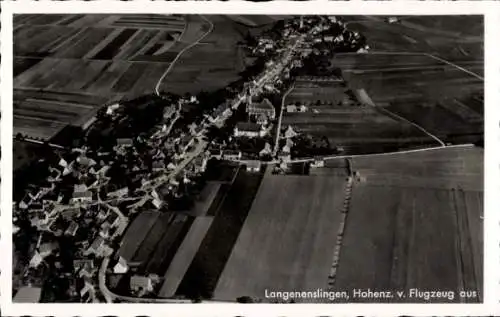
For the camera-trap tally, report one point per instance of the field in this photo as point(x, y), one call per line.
point(200, 280)
point(185, 254)
point(454, 37)
point(422, 90)
point(442, 89)
point(256, 20)
point(91, 57)
point(136, 233)
point(288, 239)
point(415, 222)
point(215, 62)
point(337, 113)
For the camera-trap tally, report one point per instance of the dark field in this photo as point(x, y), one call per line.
point(208, 264)
point(420, 219)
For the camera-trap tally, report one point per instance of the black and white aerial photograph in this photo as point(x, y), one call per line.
point(247, 158)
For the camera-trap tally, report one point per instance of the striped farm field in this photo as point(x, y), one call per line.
point(415, 221)
point(108, 57)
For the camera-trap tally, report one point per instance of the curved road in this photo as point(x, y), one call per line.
point(157, 87)
point(108, 295)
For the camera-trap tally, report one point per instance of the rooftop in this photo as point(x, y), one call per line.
point(248, 126)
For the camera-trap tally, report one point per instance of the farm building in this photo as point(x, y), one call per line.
point(265, 107)
point(249, 129)
point(318, 162)
point(231, 155)
point(141, 283)
point(253, 166)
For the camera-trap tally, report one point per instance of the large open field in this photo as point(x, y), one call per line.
point(415, 222)
point(66, 66)
point(287, 242)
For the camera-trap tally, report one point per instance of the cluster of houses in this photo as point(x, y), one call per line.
point(264, 45)
point(78, 199)
point(68, 203)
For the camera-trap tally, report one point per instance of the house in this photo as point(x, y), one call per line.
point(284, 156)
point(111, 109)
point(121, 266)
point(36, 260)
point(81, 197)
point(97, 247)
point(290, 133)
point(286, 148)
point(78, 264)
point(392, 20)
point(265, 107)
point(118, 193)
point(102, 214)
point(231, 155)
point(291, 108)
point(113, 219)
point(158, 166)
point(249, 129)
point(63, 163)
point(253, 166)
point(72, 228)
point(47, 249)
point(25, 202)
point(140, 283)
point(266, 150)
point(80, 188)
point(200, 164)
point(85, 161)
point(262, 119)
point(318, 162)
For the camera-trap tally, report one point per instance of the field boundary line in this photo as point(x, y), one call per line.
point(413, 124)
point(400, 152)
point(437, 58)
point(278, 129)
point(454, 65)
point(183, 51)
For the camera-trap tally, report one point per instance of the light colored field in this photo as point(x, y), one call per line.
point(415, 222)
point(288, 238)
point(185, 255)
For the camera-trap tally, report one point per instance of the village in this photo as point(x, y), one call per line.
point(77, 214)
